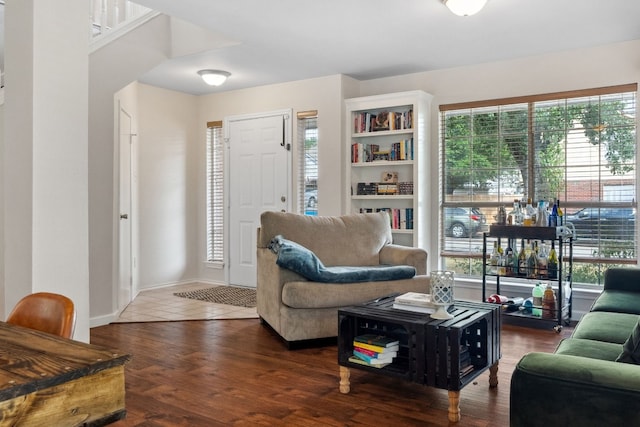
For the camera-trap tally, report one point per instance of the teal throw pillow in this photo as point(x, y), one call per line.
point(631, 347)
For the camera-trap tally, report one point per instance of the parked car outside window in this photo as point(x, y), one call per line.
point(464, 222)
point(603, 223)
point(311, 198)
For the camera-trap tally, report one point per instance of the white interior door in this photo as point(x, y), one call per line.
point(125, 287)
point(259, 171)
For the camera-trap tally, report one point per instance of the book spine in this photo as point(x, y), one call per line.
point(369, 359)
point(377, 355)
point(376, 348)
point(363, 350)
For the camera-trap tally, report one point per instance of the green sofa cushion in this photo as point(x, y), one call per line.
point(605, 326)
point(617, 301)
point(631, 347)
point(589, 348)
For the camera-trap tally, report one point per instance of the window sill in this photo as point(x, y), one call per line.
point(216, 265)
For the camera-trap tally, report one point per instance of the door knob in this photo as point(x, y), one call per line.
point(124, 216)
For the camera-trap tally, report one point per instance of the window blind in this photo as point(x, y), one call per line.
point(308, 162)
point(215, 192)
point(578, 147)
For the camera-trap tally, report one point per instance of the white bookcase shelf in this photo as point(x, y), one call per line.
point(387, 148)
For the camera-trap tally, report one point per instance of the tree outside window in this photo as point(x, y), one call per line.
point(578, 148)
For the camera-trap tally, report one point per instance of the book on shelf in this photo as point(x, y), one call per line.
point(374, 360)
point(387, 188)
point(386, 355)
point(416, 308)
point(367, 121)
point(367, 189)
point(354, 359)
point(399, 218)
point(402, 150)
point(415, 298)
point(377, 348)
point(375, 339)
point(405, 187)
point(363, 153)
point(466, 370)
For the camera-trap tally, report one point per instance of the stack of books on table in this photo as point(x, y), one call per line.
point(374, 350)
point(415, 301)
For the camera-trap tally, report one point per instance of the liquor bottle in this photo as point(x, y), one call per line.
point(522, 260)
point(518, 216)
point(553, 216)
point(552, 262)
point(542, 216)
point(501, 217)
point(532, 263)
point(502, 262)
point(514, 261)
point(560, 213)
point(511, 215)
point(529, 214)
point(543, 261)
point(548, 303)
point(493, 259)
point(508, 262)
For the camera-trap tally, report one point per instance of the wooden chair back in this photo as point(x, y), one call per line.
point(46, 312)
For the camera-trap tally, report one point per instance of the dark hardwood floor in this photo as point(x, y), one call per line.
point(238, 373)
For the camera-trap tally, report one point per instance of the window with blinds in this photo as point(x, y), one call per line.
point(576, 147)
point(308, 162)
point(215, 192)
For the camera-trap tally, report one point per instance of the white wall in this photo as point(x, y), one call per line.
point(111, 68)
point(168, 173)
point(45, 163)
point(3, 310)
point(323, 94)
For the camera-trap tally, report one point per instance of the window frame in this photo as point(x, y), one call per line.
point(529, 187)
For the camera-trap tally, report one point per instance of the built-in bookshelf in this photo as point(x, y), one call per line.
point(387, 161)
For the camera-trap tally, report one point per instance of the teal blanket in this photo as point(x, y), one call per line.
point(303, 261)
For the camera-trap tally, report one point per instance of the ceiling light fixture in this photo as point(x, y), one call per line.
point(465, 7)
point(214, 77)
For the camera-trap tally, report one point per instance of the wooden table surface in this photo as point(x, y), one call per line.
point(48, 380)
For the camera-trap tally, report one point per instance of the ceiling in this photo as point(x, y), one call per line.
point(285, 40)
point(265, 42)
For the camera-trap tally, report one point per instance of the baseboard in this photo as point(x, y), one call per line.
point(103, 320)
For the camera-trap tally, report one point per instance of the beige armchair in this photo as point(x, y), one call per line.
point(299, 309)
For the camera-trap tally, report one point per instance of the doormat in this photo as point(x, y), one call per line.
point(229, 295)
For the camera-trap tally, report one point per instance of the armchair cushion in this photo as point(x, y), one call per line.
point(295, 257)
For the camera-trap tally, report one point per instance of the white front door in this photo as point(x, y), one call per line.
point(259, 178)
point(125, 285)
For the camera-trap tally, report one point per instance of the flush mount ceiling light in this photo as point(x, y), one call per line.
point(214, 77)
point(465, 7)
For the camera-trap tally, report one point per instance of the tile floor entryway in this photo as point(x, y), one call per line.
point(160, 305)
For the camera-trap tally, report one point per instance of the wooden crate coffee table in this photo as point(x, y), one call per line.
point(430, 350)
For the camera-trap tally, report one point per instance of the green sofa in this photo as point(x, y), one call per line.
point(585, 382)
